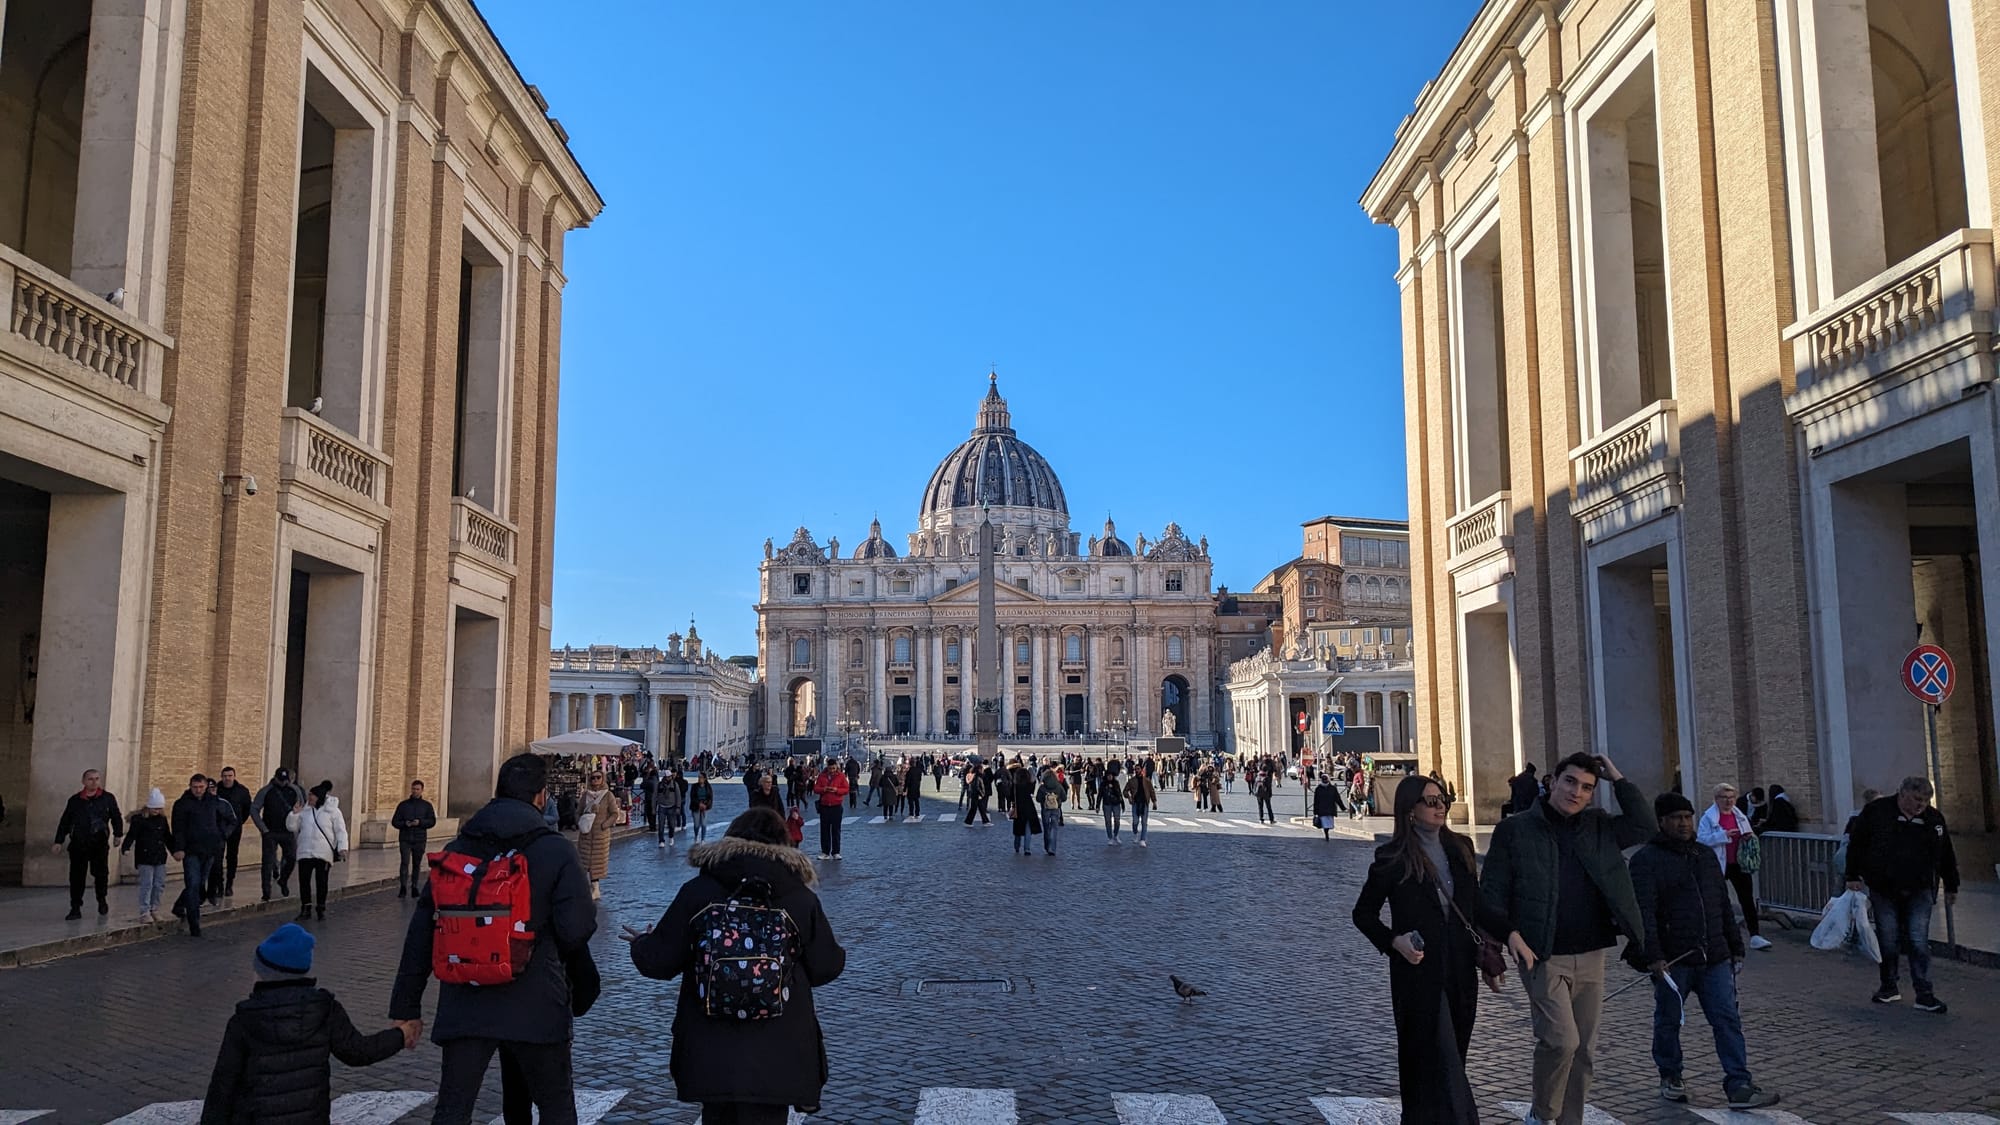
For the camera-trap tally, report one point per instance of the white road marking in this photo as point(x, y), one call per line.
point(163, 1113)
point(944, 818)
point(1216, 823)
point(1246, 823)
point(592, 1105)
point(376, 1107)
point(1591, 1114)
point(1360, 1111)
point(1179, 821)
point(1945, 1118)
point(1749, 1116)
point(963, 1105)
point(813, 823)
point(1166, 1109)
point(16, 1116)
point(878, 820)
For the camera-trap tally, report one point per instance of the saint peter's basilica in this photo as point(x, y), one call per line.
point(1098, 635)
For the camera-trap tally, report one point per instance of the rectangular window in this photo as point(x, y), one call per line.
point(1367, 636)
point(1312, 613)
point(1021, 652)
point(951, 652)
point(802, 583)
point(1021, 582)
point(1345, 637)
point(902, 681)
point(1174, 578)
point(330, 265)
point(1072, 585)
point(1350, 552)
point(902, 649)
point(1073, 679)
point(1312, 589)
point(801, 652)
point(951, 679)
point(1020, 679)
point(1117, 585)
point(856, 587)
point(900, 585)
point(1020, 550)
point(1628, 356)
point(1388, 636)
point(951, 583)
point(1176, 649)
point(1073, 648)
point(1371, 552)
point(1481, 376)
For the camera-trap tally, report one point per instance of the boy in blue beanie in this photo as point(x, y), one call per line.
point(274, 1067)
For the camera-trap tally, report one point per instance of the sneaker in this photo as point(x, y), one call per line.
point(1887, 994)
point(836, 855)
point(75, 912)
point(1930, 1003)
point(1672, 1089)
point(1751, 1097)
point(1759, 941)
point(1142, 843)
point(825, 855)
point(103, 907)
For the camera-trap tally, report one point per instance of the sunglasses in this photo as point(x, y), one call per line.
point(1433, 801)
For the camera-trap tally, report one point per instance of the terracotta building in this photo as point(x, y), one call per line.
point(1698, 335)
point(283, 289)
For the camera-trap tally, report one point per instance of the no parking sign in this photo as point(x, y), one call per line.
point(1929, 674)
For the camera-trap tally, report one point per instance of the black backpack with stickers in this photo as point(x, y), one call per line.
point(743, 949)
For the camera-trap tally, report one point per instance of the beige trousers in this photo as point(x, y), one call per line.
point(1565, 995)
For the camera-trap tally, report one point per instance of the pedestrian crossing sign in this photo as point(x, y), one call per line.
point(1332, 722)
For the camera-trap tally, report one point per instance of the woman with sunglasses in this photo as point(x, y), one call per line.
point(1428, 877)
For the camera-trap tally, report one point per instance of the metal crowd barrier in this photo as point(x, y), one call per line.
point(1798, 874)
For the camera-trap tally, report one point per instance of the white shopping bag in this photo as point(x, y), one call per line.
point(1864, 928)
point(1836, 922)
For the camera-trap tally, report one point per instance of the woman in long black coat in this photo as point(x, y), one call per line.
point(1434, 977)
point(1027, 819)
point(746, 1072)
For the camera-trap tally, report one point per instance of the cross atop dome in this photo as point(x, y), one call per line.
point(993, 417)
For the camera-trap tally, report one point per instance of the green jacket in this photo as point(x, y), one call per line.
point(1520, 879)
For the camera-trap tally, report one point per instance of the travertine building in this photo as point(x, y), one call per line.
point(1698, 309)
point(1097, 634)
point(683, 699)
point(282, 292)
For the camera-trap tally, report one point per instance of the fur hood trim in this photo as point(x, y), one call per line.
point(727, 848)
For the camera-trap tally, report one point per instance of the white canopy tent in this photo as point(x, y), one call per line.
point(583, 742)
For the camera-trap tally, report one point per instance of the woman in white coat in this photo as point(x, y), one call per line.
point(321, 831)
point(1723, 827)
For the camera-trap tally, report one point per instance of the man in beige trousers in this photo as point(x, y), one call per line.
point(1557, 871)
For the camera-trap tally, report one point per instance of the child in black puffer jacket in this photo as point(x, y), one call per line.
point(275, 1066)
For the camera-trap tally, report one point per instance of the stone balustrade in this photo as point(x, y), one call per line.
point(1482, 533)
point(479, 531)
point(314, 452)
point(1913, 338)
point(85, 331)
point(1630, 473)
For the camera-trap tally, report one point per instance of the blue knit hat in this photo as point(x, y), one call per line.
point(289, 950)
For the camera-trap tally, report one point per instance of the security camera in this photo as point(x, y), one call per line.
point(249, 485)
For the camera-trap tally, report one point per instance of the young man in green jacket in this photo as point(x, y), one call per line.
point(1557, 871)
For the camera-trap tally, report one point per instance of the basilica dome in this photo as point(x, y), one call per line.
point(994, 468)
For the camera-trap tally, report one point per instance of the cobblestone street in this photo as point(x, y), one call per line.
point(1258, 916)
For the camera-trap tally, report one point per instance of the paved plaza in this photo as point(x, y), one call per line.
point(1296, 1027)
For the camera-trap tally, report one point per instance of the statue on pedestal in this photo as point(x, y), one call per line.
point(1167, 723)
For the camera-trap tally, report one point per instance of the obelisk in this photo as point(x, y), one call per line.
point(986, 653)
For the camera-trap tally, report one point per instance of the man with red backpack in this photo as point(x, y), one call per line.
point(831, 786)
point(505, 914)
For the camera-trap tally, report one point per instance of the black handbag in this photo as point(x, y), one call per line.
point(1488, 952)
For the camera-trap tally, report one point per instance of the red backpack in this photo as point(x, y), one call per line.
point(481, 909)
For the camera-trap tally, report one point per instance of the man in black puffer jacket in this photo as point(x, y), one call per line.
point(1692, 948)
point(275, 1068)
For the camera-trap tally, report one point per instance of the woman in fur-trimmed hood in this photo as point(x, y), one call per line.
point(746, 1070)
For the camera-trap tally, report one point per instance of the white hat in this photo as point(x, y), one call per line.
point(156, 800)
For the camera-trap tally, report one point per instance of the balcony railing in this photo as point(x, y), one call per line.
point(479, 531)
point(87, 333)
point(1911, 339)
point(1630, 473)
point(315, 453)
point(1481, 532)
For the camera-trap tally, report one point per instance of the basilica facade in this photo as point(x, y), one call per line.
point(1098, 636)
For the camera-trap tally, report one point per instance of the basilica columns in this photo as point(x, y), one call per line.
point(878, 678)
point(1038, 695)
point(935, 676)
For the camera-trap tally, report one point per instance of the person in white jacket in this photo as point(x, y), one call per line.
point(321, 832)
point(1723, 827)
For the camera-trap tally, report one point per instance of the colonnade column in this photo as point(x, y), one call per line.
point(1008, 672)
point(1142, 681)
point(968, 651)
point(878, 678)
point(1038, 696)
point(937, 680)
point(1093, 664)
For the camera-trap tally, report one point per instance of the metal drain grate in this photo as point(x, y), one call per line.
point(972, 986)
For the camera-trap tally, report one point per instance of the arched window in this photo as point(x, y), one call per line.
point(1118, 650)
point(902, 655)
point(951, 651)
point(1176, 648)
point(1021, 654)
point(854, 656)
point(1392, 591)
point(1073, 648)
point(801, 652)
point(1353, 588)
point(1374, 588)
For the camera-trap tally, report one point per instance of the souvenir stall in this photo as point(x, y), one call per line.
point(573, 757)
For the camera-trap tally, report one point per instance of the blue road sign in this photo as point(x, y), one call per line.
point(1332, 722)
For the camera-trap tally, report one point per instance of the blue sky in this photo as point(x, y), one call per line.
point(826, 220)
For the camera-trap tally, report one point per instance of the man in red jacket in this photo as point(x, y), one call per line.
point(831, 786)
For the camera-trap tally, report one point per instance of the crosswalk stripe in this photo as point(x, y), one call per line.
point(1591, 1114)
point(1216, 823)
point(163, 1113)
point(1360, 1111)
point(1166, 1109)
point(1945, 1118)
point(375, 1107)
point(964, 1105)
point(945, 817)
point(591, 1106)
point(16, 1116)
point(1179, 821)
point(1744, 1116)
point(878, 820)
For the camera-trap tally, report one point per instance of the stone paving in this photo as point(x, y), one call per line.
point(1258, 916)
